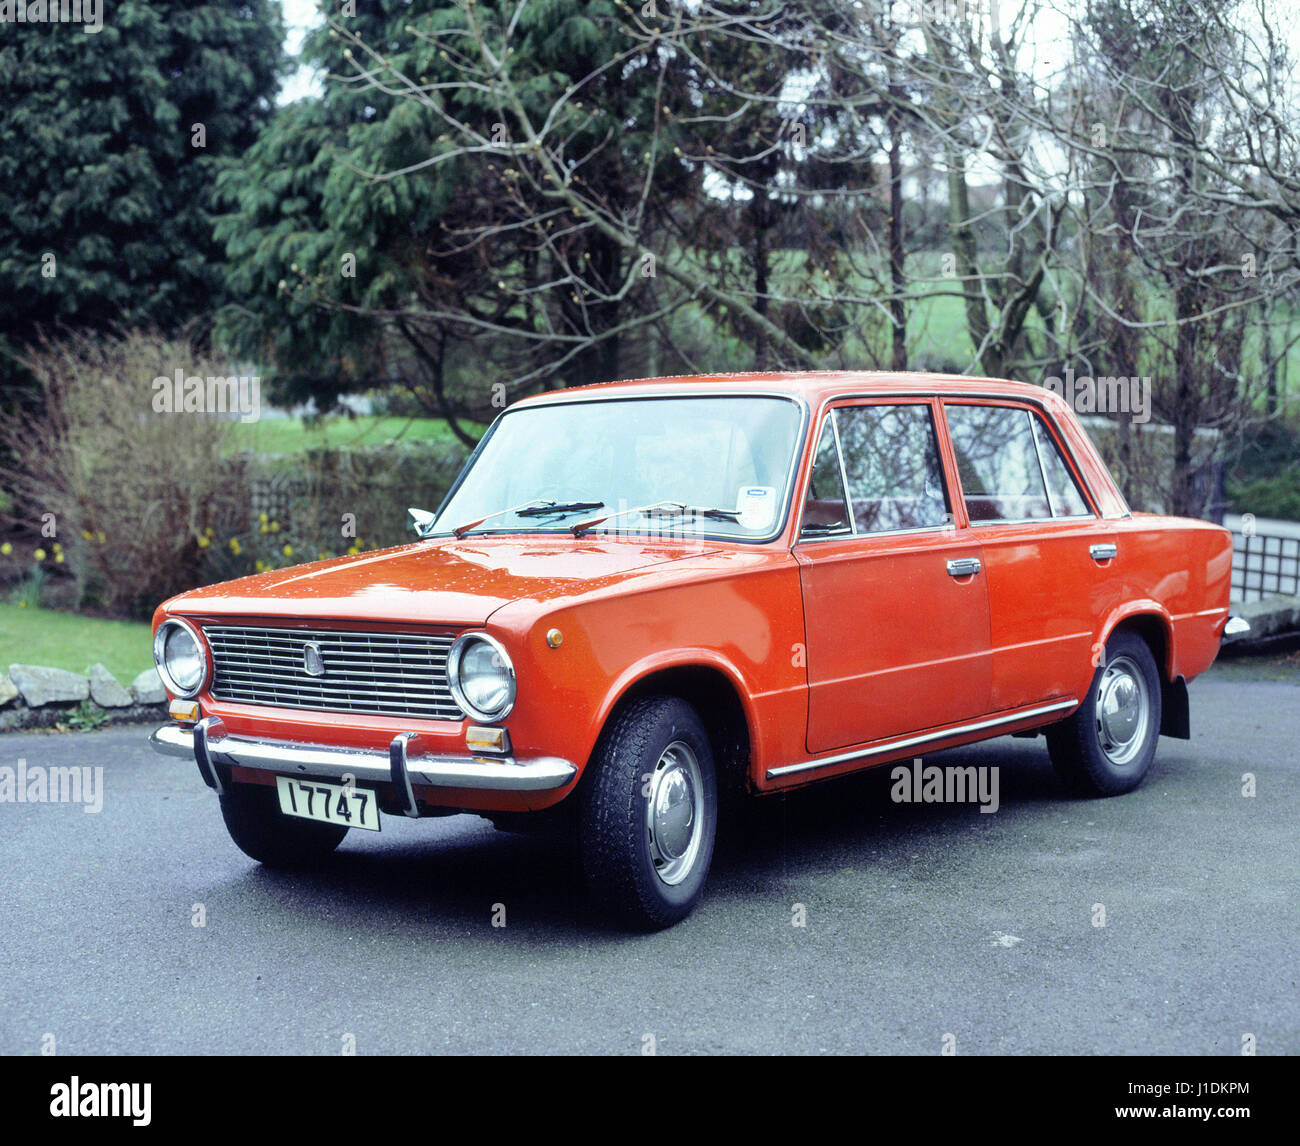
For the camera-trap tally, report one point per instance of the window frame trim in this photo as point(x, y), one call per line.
point(933, 405)
point(1030, 408)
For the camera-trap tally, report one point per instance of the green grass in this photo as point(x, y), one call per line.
point(293, 435)
point(65, 640)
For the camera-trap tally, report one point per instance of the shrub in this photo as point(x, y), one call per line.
point(127, 492)
point(1277, 497)
point(146, 504)
point(328, 502)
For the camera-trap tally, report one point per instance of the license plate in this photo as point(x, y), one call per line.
point(336, 804)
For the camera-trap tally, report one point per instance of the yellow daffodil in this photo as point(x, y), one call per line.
point(39, 555)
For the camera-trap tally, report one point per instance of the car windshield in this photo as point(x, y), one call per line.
point(694, 465)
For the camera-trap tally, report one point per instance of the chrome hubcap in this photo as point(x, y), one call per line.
point(673, 813)
point(1123, 711)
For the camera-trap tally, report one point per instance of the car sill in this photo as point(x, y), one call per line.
point(922, 738)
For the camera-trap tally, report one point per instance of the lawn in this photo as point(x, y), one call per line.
point(293, 435)
point(69, 641)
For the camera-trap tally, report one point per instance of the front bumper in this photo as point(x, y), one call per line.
point(403, 765)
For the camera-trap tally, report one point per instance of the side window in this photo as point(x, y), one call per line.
point(825, 511)
point(1066, 497)
point(997, 462)
point(891, 461)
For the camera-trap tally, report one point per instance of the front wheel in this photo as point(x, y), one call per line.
point(264, 833)
point(1106, 747)
point(649, 814)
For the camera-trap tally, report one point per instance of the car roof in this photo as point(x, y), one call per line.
point(815, 387)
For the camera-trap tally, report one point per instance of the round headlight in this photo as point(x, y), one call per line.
point(481, 677)
point(179, 655)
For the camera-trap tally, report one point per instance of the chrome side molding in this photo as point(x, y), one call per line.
point(923, 738)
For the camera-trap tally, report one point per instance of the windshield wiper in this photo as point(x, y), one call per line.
point(461, 530)
point(657, 509)
point(535, 507)
point(560, 507)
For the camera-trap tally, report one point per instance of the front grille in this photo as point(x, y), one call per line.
point(375, 674)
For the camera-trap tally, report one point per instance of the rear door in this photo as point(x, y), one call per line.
point(1048, 556)
point(895, 606)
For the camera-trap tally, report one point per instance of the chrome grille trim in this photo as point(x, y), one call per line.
point(367, 673)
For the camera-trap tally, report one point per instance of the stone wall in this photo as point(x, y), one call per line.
point(33, 696)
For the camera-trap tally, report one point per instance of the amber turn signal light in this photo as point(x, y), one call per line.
point(184, 711)
point(481, 739)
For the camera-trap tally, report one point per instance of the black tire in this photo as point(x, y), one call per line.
point(264, 833)
point(655, 754)
point(1089, 750)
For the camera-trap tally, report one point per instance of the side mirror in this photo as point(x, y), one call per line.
point(421, 523)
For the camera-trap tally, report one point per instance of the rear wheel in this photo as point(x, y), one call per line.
point(264, 833)
point(1106, 747)
point(649, 814)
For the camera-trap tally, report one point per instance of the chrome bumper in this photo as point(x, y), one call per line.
point(1235, 629)
point(209, 743)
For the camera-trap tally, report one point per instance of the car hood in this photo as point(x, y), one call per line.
point(442, 581)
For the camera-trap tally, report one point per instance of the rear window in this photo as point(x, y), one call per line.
point(998, 463)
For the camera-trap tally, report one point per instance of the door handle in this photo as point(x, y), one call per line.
point(963, 566)
point(1103, 552)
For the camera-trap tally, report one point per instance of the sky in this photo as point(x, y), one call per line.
point(299, 16)
point(1048, 30)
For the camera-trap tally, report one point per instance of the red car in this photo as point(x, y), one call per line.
point(639, 595)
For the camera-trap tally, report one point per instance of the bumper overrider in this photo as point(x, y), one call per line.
point(403, 765)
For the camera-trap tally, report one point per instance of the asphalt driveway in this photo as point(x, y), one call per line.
point(921, 920)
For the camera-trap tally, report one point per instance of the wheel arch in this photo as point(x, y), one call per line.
point(1155, 627)
point(719, 698)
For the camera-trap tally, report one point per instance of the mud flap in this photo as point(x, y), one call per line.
point(1175, 710)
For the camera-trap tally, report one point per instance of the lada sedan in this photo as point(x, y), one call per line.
point(641, 598)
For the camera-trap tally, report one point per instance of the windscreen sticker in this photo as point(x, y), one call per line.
point(756, 506)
